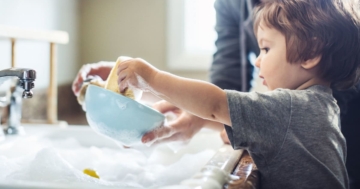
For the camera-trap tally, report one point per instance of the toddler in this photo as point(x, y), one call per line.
point(293, 131)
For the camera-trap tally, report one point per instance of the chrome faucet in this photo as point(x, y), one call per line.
point(26, 79)
point(24, 84)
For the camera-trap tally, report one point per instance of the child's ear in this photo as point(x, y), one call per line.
point(311, 63)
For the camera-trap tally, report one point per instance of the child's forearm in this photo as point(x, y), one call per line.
point(197, 97)
point(214, 125)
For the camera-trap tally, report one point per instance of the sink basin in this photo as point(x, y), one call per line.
point(55, 157)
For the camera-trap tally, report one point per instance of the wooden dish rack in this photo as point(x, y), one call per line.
point(54, 38)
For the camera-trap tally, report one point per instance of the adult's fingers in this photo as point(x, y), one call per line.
point(164, 106)
point(179, 132)
point(76, 85)
point(172, 138)
point(157, 134)
point(175, 131)
point(78, 81)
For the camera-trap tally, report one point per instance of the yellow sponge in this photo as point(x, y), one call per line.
point(111, 82)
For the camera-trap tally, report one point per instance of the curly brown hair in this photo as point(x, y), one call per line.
point(312, 28)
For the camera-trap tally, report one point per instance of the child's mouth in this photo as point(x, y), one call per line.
point(264, 82)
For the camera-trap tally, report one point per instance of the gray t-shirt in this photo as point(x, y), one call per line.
point(293, 136)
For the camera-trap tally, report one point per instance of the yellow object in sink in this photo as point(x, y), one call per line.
point(91, 173)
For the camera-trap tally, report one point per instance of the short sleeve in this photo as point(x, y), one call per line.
point(259, 120)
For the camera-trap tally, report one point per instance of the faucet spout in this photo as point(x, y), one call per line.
point(26, 79)
point(21, 73)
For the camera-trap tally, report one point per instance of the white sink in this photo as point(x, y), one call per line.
point(54, 157)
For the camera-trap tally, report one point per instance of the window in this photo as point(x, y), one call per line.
point(190, 34)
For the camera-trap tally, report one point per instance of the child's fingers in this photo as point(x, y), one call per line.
point(122, 81)
point(121, 67)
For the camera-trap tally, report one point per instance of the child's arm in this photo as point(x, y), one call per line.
point(197, 97)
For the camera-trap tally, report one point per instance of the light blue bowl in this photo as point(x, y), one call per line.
point(119, 117)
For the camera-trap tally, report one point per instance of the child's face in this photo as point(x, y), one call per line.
point(276, 71)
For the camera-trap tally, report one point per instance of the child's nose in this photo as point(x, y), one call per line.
point(257, 61)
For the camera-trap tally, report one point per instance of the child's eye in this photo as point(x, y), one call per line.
point(265, 49)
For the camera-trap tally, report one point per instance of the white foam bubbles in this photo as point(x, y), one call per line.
point(63, 160)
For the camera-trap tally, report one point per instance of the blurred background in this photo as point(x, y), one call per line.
point(173, 35)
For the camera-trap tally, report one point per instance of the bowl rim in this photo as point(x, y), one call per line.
point(123, 97)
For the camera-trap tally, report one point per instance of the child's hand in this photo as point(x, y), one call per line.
point(136, 73)
point(224, 137)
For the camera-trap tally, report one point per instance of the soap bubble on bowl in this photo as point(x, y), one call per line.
point(102, 95)
point(123, 137)
point(137, 92)
point(121, 105)
point(119, 117)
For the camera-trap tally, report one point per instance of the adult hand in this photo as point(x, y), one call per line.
point(182, 128)
point(101, 69)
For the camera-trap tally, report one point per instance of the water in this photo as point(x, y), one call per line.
point(61, 161)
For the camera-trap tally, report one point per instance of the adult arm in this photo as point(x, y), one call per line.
point(225, 70)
